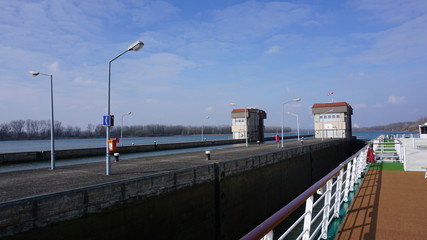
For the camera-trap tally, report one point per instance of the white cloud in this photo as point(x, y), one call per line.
point(254, 18)
point(390, 11)
point(149, 101)
point(54, 67)
point(396, 100)
point(82, 81)
point(209, 109)
point(400, 43)
point(360, 105)
point(273, 49)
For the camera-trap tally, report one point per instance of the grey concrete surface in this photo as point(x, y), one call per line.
point(415, 153)
point(30, 183)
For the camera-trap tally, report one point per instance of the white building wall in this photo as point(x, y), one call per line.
point(330, 125)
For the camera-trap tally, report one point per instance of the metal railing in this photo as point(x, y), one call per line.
point(389, 149)
point(334, 189)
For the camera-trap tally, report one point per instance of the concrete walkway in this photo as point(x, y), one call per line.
point(29, 183)
point(416, 157)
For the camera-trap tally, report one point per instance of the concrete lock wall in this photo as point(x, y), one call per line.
point(218, 201)
point(36, 156)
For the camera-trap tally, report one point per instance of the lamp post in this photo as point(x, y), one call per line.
point(203, 126)
point(296, 115)
point(323, 128)
point(283, 113)
point(134, 47)
point(246, 122)
point(121, 127)
point(52, 121)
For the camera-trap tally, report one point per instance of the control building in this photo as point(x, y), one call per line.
point(423, 130)
point(332, 120)
point(248, 122)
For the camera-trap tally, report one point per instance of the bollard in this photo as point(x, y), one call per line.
point(302, 140)
point(116, 156)
point(258, 142)
point(208, 155)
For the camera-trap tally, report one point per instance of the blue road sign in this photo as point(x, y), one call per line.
point(106, 121)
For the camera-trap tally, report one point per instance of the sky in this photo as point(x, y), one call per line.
point(199, 56)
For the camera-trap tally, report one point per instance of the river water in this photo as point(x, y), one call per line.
point(42, 145)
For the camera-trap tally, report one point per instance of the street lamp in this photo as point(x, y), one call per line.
point(52, 122)
point(121, 127)
point(202, 126)
point(246, 122)
point(134, 47)
point(283, 113)
point(323, 129)
point(296, 115)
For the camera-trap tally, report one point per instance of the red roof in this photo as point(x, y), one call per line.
point(332, 104)
point(239, 110)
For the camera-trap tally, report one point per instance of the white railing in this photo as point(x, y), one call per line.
point(334, 189)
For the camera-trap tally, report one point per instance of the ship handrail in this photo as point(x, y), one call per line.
point(344, 182)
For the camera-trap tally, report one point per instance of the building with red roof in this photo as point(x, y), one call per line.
point(248, 122)
point(332, 120)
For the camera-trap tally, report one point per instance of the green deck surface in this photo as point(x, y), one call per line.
point(386, 166)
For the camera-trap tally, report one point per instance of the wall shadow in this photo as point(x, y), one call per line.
point(361, 219)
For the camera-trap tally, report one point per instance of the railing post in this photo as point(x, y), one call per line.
point(363, 162)
point(326, 210)
point(347, 182)
point(359, 165)
point(353, 174)
point(404, 158)
point(338, 194)
point(307, 218)
point(268, 236)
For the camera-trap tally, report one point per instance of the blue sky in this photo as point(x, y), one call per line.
point(201, 55)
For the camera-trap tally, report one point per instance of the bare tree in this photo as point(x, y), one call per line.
point(17, 127)
point(4, 131)
point(33, 128)
point(90, 129)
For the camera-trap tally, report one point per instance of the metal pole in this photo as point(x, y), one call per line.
point(323, 132)
point(121, 131)
point(52, 128)
point(202, 132)
point(297, 125)
point(246, 126)
point(107, 159)
point(283, 113)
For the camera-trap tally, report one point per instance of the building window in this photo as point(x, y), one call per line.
point(239, 121)
point(331, 117)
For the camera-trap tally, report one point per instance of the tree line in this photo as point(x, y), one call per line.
point(399, 126)
point(40, 129)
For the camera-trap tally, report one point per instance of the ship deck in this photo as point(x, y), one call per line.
point(391, 203)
